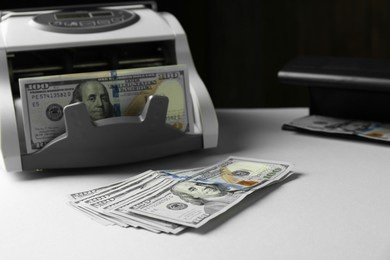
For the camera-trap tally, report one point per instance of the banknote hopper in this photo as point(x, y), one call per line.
point(89, 38)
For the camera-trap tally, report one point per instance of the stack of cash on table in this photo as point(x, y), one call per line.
point(340, 126)
point(171, 200)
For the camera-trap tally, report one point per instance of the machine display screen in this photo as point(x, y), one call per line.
point(101, 14)
point(74, 16)
point(66, 16)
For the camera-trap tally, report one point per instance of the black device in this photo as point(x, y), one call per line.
point(353, 88)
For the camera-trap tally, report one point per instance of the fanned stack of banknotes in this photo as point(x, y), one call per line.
point(171, 200)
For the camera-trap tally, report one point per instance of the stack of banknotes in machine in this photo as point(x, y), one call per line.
point(105, 94)
point(172, 200)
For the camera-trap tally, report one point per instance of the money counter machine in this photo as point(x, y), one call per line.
point(74, 39)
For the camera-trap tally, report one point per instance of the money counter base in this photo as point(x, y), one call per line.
point(111, 141)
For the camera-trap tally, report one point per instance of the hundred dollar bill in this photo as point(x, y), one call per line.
point(105, 94)
point(133, 189)
point(175, 173)
point(193, 202)
point(242, 173)
point(325, 124)
point(95, 202)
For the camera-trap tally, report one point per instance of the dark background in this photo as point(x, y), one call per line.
point(239, 46)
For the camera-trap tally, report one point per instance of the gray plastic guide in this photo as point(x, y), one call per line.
point(110, 141)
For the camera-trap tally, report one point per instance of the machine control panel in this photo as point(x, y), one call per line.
point(86, 21)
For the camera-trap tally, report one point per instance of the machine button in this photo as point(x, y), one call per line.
point(103, 22)
point(71, 24)
point(87, 23)
point(116, 19)
point(56, 23)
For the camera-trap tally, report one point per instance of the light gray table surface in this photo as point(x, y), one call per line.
point(336, 206)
